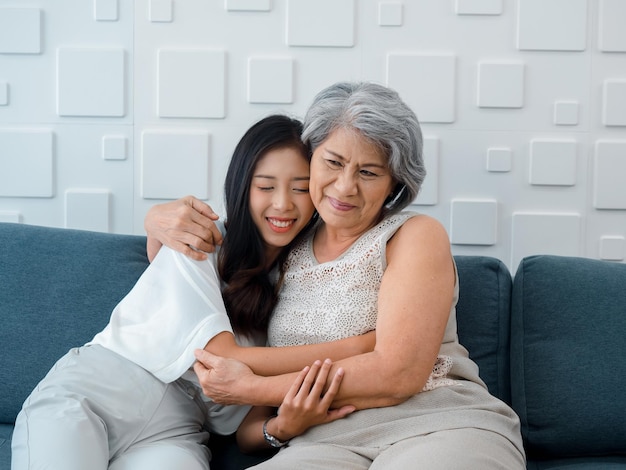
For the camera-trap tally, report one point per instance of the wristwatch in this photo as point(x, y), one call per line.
point(271, 440)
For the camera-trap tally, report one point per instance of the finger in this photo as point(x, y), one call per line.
point(205, 357)
point(309, 379)
point(330, 394)
point(342, 412)
point(297, 384)
point(321, 378)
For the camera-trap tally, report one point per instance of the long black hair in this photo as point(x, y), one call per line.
point(250, 294)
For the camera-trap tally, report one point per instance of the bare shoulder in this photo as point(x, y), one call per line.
point(420, 236)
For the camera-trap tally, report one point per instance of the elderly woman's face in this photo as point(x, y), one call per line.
point(350, 181)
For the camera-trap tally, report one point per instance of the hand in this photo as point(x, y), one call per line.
point(221, 378)
point(186, 225)
point(306, 404)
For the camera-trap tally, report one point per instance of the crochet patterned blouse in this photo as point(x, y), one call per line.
point(321, 302)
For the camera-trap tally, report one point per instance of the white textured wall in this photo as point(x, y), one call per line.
point(109, 106)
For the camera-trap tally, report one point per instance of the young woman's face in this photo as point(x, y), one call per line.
point(279, 197)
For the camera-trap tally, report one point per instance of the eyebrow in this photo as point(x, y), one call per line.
point(342, 158)
point(297, 178)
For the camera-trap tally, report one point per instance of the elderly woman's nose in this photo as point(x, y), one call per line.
point(346, 182)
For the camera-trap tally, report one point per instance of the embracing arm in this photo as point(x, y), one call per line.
point(413, 308)
point(185, 225)
point(266, 361)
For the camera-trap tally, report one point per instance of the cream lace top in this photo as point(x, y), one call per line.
point(339, 298)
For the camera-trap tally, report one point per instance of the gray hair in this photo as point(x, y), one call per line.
point(379, 115)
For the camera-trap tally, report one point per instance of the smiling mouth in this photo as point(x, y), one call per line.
point(341, 206)
point(281, 223)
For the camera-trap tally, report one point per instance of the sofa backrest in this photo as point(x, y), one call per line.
point(59, 286)
point(568, 356)
point(57, 289)
point(483, 316)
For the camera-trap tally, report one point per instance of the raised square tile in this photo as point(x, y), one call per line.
point(552, 25)
point(20, 30)
point(322, 23)
point(191, 83)
point(428, 195)
point(612, 34)
point(499, 160)
point(90, 82)
point(175, 163)
point(612, 248)
point(609, 170)
point(4, 93)
point(247, 5)
point(566, 113)
point(500, 85)
point(160, 11)
point(114, 147)
point(426, 83)
point(553, 162)
point(13, 217)
point(270, 80)
point(87, 209)
point(105, 10)
point(478, 7)
point(390, 14)
point(614, 103)
point(473, 222)
point(26, 163)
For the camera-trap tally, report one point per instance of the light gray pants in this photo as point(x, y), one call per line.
point(466, 448)
point(96, 410)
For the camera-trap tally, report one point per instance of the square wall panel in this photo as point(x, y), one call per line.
point(174, 164)
point(609, 175)
point(473, 222)
point(26, 163)
point(500, 85)
point(612, 34)
point(105, 10)
point(478, 7)
point(191, 83)
point(544, 233)
point(322, 23)
point(499, 160)
point(566, 113)
point(270, 80)
point(428, 195)
point(247, 5)
point(553, 162)
point(552, 25)
point(4, 93)
point(612, 248)
point(20, 30)
point(160, 11)
point(13, 217)
point(390, 14)
point(90, 82)
point(614, 103)
point(426, 82)
point(114, 147)
point(87, 209)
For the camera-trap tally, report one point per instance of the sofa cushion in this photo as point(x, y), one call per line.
point(483, 315)
point(568, 330)
point(50, 301)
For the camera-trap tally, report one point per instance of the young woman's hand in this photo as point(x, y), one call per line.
point(186, 225)
point(307, 403)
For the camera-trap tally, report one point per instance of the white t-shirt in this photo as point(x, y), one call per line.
point(174, 308)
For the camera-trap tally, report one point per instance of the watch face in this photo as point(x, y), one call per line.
point(271, 439)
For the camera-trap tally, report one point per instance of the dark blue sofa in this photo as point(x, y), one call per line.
point(551, 342)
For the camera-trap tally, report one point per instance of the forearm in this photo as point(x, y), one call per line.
point(268, 361)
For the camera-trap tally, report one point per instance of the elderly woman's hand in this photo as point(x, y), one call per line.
point(222, 379)
point(185, 225)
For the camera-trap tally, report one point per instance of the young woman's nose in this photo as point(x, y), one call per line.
point(282, 200)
